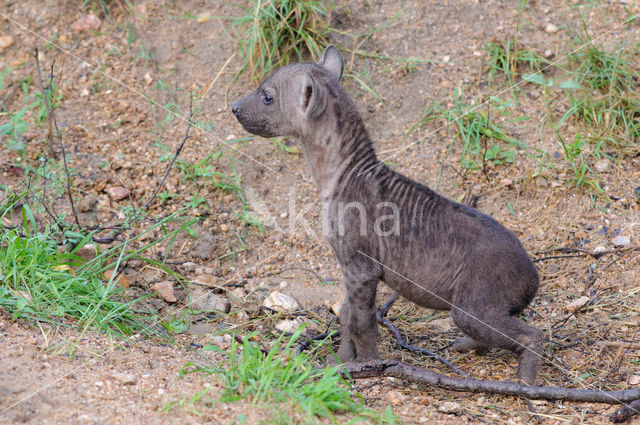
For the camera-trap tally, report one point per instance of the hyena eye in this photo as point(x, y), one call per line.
point(267, 99)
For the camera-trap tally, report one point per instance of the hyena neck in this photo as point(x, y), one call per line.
point(341, 156)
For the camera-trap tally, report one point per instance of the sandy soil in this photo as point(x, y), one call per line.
point(115, 137)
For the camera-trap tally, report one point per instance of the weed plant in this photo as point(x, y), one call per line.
point(274, 31)
point(279, 376)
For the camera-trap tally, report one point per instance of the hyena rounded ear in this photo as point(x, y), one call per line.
point(312, 97)
point(332, 60)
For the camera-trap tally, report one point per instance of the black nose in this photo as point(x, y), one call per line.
point(235, 108)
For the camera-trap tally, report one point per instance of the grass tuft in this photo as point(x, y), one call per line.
point(274, 31)
point(290, 380)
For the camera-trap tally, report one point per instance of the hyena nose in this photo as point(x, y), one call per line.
point(235, 108)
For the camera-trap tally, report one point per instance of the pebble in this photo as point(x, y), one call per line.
point(450, 407)
point(621, 240)
point(86, 23)
point(165, 289)
point(577, 303)
point(599, 249)
point(88, 251)
point(551, 28)
point(442, 324)
point(446, 59)
point(202, 18)
point(335, 308)
point(602, 166)
point(124, 378)
point(394, 397)
point(206, 280)
point(289, 326)
point(634, 380)
point(239, 293)
point(5, 42)
point(281, 302)
point(548, 54)
point(121, 280)
point(204, 300)
point(189, 267)
point(118, 193)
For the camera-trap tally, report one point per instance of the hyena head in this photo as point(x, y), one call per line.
point(291, 102)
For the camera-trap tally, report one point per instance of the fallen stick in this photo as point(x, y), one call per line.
point(625, 413)
point(403, 344)
point(422, 375)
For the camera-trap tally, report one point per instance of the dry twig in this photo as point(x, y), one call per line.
point(401, 342)
point(180, 146)
point(422, 375)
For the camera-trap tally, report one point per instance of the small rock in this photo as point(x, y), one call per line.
point(577, 303)
point(124, 378)
point(204, 300)
point(165, 289)
point(281, 302)
point(335, 308)
point(449, 407)
point(203, 17)
point(86, 23)
point(394, 397)
point(204, 248)
point(551, 28)
point(446, 59)
point(602, 166)
point(5, 42)
point(219, 342)
point(206, 280)
point(634, 380)
point(87, 204)
point(599, 249)
point(88, 251)
point(239, 293)
point(243, 316)
point(118, 193)
point(121, 280)
point(148, 78)
point(621, 240)
point(289, 326)
point(442, 324)
point(189, 267)
point(506, 182)
point(548, 54)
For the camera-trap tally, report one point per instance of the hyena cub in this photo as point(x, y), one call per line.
point(385, 227)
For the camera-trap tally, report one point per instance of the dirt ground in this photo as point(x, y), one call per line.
point(117, 137)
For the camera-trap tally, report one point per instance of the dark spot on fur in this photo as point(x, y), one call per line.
point(338, 112)
point(331, 91)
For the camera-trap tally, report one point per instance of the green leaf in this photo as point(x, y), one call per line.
point(537, 79)
point(570, 84)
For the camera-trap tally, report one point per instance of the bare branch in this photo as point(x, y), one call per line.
point(401, 342)
point(180, 146)
point(425, 376)
point(52, 117)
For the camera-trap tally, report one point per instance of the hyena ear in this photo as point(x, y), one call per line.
point(332, 60)
point(312, 97)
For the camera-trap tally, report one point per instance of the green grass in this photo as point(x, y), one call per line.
point(290, 382)
point(577, 155)
point(41, 280)
point(482, 140)
point(505, 58)
point(271, 32)
point(608, 102)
